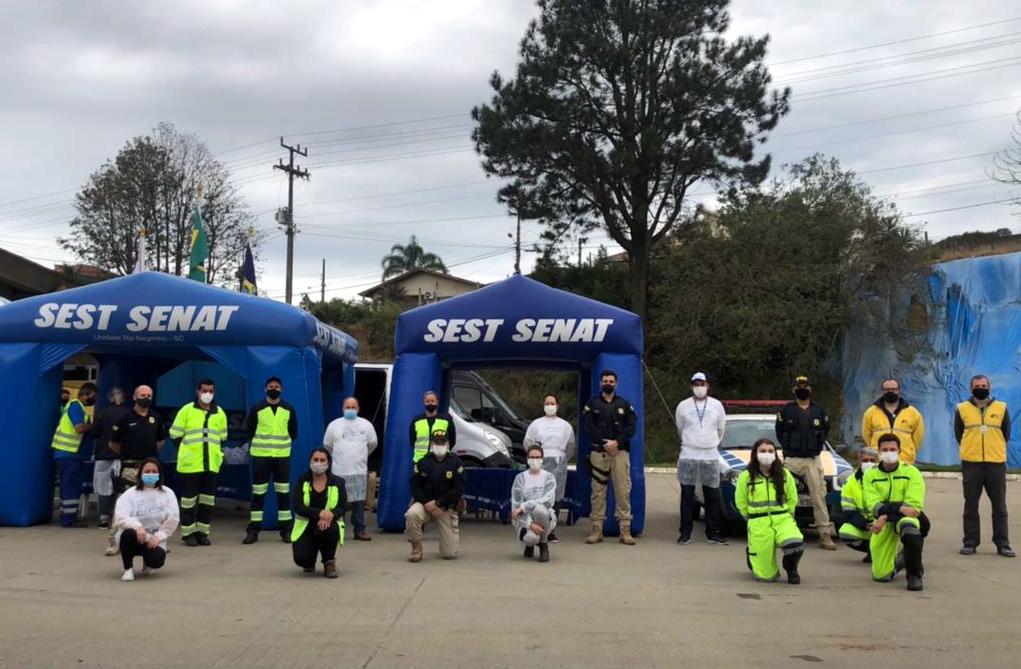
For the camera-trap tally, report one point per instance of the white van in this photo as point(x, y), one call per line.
point(478, 444)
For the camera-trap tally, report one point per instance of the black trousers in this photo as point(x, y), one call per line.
point(154, 558)
point(689, 507)
point(314, 542)
point(198, 497)
point(991, 477)
point(280, 470)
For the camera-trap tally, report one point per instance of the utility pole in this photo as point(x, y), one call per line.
point(517, 248)
point(288, 218)
point(580, 240)
point(322, 296)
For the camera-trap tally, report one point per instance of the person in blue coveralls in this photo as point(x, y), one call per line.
point(69, 449)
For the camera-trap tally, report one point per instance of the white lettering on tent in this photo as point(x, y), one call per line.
point(166, 318)
point(77, 316)
point(562, 330)
point(462, 330)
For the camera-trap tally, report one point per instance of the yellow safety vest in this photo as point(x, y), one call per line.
point(332, 501)
point(982, 440)
point(852, 497)
point(758, 499)
point(907, 425)
point(65, 438)
point(202, 434)
point(272, 439)
point(423, 436)
point(904, 485)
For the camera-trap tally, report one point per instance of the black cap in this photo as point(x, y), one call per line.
point(439, 437)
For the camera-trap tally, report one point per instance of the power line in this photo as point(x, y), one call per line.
point(965, 206)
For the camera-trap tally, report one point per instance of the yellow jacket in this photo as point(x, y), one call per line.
point(983, 433)
point(906, 423)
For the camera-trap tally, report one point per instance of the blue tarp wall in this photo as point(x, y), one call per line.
point(140, 328)
point(963, 319)
point(518, 322)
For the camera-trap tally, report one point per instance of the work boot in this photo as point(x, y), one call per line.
point(251, 536)
point(553, 538)
point(203, 540)
point(363, 536)
point(191, 540)
point(1005, 551)
point(308, 570)
point(790, 565)
point(285, 533)
point(330, 569)
point(914, 582)
point(543, 552)
point(529, 551)
point(826, 542)
point(416, 552)
point(596, 535)
point(625, 535)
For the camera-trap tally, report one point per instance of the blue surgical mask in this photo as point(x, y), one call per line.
point(350, 414)
point(150, 480)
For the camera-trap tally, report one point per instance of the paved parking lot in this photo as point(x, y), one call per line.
point(654, 605)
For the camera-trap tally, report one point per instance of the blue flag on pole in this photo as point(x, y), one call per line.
point(248, 272)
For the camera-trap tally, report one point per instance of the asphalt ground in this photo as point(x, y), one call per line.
point(656, 604)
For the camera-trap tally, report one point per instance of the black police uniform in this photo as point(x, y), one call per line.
point(440, 480)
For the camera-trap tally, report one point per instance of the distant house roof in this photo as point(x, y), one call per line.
point(378, 288)
point(21, 277)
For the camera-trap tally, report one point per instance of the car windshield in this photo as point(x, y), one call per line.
point(459, 411)
point(744, 433)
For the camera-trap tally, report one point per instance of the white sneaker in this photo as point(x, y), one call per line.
point(129, 575)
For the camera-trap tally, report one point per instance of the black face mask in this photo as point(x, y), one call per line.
point(429, 408)
point(89, 401)
point(608, 389)
point(890, 397)
point(980, 393)
point(802, 393)
point(143, 402)
point(273, 394)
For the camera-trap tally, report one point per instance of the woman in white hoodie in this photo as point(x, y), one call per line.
point(145, 517)
point(556, 437)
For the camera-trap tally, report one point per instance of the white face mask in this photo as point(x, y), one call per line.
point(206, 398)
point(319, 467)
point(889, 457)
point(699, 391)
point(865, 466)
point(535, 464)
point(550, 409)
point(766, 458)
point(439, 451)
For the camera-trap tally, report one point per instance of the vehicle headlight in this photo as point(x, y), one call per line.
point(498, 443)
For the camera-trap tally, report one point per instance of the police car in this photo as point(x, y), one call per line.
point(751, 420)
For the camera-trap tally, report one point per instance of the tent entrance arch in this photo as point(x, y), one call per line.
point(144, 328)
point(518, 322)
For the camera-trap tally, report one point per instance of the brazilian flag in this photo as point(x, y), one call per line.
point(199, 248)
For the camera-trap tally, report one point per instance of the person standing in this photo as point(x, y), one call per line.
point(271, 426)
point(319, 501)
point(610, 422)
point(982, 428)
point(556, 438)
point(437, 487)
point(145, 517)
point(892, 413)
point(424, 425)
point(350, 440)
point(895, 493)
point(108, 465)
point(65, 397)
point(701, 421)
point(801, 428)
point(201, 427)
point(68, 451)
point(533, 495)
point(766, 496)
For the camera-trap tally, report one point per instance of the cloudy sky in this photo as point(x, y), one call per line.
point(915, 96)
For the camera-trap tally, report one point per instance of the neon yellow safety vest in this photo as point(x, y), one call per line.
point(982, 440)
point(757, 499)
point(423, 435)
point(65, 438)
point(852, 497)
point(202, 434)
point(904, 485)
point(272, 439)
point(332, 501)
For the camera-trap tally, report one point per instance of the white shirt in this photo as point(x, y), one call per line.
point(700, 425)
point(349, 443)
point(153, 510)
point(554, 434)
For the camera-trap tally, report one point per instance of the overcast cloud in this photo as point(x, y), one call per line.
point(380, 92)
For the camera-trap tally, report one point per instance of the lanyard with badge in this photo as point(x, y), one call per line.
point(701, 414)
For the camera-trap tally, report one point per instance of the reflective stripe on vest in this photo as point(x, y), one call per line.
point(423, 435)
point(332, 501)
point(65, 438)
point(272, 438)
point(202, 434)
point(761, 498)
point(982, 440)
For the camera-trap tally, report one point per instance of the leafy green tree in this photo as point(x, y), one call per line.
point(405, 257)
point(618, 108)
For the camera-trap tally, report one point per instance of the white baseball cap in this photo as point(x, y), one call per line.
point(699, 376)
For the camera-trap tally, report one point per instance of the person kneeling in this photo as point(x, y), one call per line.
point(319, 501)
point(437, 486)
point(857, 528)
point(533, 497)
point(895, 492)
point(766, 495)
point(145, 517)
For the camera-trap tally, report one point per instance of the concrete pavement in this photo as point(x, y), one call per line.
point(653, 605)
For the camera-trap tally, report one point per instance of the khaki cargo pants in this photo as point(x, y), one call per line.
point(606, 467)
point(448, 523)
point(810, 469)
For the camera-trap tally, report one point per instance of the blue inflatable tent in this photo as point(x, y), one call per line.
point(140, 328)
point(518, 322)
